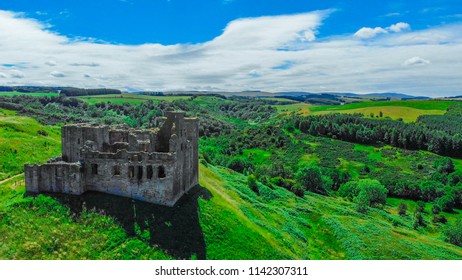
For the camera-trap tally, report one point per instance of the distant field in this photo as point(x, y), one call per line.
point(39, 94)
point(302, 108)
point(279, 99)
point(128, 98)
point(407, 110)
point(408, 114)
point(417, 104)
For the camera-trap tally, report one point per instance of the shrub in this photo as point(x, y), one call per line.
point(252, 183)
point(310, 178)
point(453, 233)
point(439, 219)
point(455, 178)
point(365, 193)
point(431, 190)
point(436, 209)
point(402, 209)
point(420, 207)
point(446, 203)
point(349, 190)
point(418, 220)
point(444, 165)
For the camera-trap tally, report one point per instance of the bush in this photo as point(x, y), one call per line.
point(455, 178)
point(338, 177)
point(402, 209)
point(418, 220)
point(444, 165)
point(420, 207)
point(252, 183)
point(349, 190)
point(436, 209)
point(431, 190)
point(310, 178)
point(453, 233)
point(446, 203)
point(365, 193)
point(439, 219)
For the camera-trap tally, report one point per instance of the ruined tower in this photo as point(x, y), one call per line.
point(156, 166)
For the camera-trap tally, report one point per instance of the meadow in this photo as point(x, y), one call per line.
point(408, 110)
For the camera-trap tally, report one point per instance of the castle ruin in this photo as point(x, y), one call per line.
point(156, 166)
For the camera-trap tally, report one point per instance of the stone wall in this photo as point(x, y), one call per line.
point(157, 166)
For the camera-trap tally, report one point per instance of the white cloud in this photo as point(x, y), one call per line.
point(416, 61)
point(248, 55)
point(400, 26)
point(367, 32)
point(57, 74)
point(51, 63)
point(16, 74)
point(3, 75)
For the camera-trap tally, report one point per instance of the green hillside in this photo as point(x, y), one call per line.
point(221, 219)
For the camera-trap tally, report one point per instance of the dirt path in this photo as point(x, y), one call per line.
point(7, 179)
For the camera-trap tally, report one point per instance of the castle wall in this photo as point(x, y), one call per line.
point(149, 165)
point(59, 177)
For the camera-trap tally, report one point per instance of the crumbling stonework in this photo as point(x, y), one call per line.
point(156, 166)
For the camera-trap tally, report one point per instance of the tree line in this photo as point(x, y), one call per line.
point(438, 134)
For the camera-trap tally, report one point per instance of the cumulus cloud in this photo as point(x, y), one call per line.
point(3, 75)
point(367, 32)
point(400, 26)
point(415, 61)
point(274, 53)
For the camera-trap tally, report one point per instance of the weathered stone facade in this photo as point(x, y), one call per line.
point(156, 166)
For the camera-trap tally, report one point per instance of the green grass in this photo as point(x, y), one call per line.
point(35, 94)
point(417, 104)
point(407, 114)
point(24, 140)
point(129, 98)
point(409, 110)
point(234, 221)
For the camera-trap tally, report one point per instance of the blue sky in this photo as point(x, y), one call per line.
point(274, 45)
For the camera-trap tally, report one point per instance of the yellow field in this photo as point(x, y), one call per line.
point(395, 112)
point(408, 114)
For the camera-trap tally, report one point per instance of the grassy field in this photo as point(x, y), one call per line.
point(38, 94)
point(407, 110)
point(128, 98)
point(22, 139)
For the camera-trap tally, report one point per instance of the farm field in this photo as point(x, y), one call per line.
point(35, 94)
point(409, 111)
point(128, 98)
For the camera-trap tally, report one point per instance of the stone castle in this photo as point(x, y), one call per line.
point(156, 166)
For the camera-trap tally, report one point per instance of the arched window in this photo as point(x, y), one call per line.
point(149, 172)
point(140, 172)
point(94, 169)
point(131, 171)
point(116, 170)
point(161, 172)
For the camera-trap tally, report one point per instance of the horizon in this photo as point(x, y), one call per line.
point(235, 46)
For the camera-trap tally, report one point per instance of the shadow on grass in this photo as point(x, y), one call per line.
point(176, 230)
